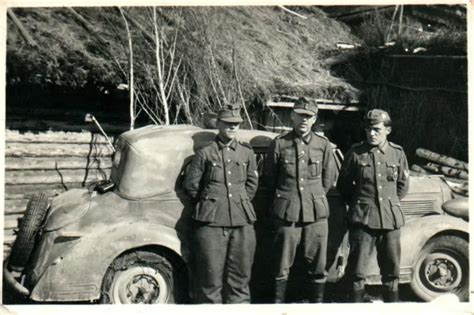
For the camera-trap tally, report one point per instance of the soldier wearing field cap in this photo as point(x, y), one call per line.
point(373, 179)
point(222, 178)
point(300, 169)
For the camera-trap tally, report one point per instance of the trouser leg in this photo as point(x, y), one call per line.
point(362, 245)
point(314, 239)
point(388, 257)
point(239, 262)
point(210, 246)
point(286, 238)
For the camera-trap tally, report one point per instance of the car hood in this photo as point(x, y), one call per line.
point(67, 207)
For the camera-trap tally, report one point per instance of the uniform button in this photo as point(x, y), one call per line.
point(301, 188)
point(228, 149)
point(230, 195)
point(358, 201)
point(378, 151)
point(317, 162)
point(378, 163)
point(301, 179)
point(381, 198)
point(302, 160)
point(228, 161)
point(229, 172)
point(380, 174)
point(380, 187)
point(278, 195)
point(230, 184)
point(213, 164)
point(302, 152)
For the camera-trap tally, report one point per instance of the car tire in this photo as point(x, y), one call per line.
point(36, 211)
point(442, 267)
point(142, 277)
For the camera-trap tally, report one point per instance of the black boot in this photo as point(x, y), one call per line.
point(316, 292)
point(279, 291)
point(358, 296)
point(390, 296)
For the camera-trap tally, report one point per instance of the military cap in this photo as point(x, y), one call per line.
point(230, 114)
point(306, 106)
point(376, 116)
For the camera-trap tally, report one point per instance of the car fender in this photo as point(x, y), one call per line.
point(417, 232)
point(77, 274)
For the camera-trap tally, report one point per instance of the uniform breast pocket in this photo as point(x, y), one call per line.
point(288, 163)
point(365, 170)
point(392, 171)
point(240, 170)
point(216, 171)
point(315, 165)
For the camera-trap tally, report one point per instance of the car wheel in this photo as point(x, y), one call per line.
point(442, 267)
point(29, 226)
point(141, 277)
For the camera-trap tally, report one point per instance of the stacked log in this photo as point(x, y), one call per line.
point(49, 162)
point(456, 172)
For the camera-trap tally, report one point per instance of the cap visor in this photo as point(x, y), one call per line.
point(232, 119)
point(304, 111)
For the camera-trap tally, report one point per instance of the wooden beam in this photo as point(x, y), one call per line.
point(23, 32)
point(335, 107)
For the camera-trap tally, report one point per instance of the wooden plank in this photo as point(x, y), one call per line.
point(71, 125)
point(15, 205)
point(9, 239)
point(51, 177)
point(19, 149)
point(335, 107)
point(10, 223)
point(52, 163)
point(55, 137)
point(14, 191)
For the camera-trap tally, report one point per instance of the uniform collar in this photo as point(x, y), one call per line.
point(381, 147)
point(232, 144)
point(305, 139)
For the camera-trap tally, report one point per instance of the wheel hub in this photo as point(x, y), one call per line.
point(139, 285)
point(143, 289)
point(442, 272)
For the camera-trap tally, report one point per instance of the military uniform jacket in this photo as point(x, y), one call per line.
point(373, 180)
point(223, 179)
point(299, 172)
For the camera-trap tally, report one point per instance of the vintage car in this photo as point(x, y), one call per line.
point(127, 240)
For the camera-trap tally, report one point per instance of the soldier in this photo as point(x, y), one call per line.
point(222, 178)
point(300, 169)
point(373, 180)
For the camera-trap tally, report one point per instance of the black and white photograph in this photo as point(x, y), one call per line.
point(236, 154)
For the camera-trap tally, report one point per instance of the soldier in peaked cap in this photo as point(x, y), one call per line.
point(300, 169)
point(373, 179)
point(222, 178)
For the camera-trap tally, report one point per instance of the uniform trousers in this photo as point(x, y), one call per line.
point(223, 263)
point(311, 236)
point(363, 242)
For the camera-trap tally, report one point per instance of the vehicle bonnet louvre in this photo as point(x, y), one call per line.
point(418, 207)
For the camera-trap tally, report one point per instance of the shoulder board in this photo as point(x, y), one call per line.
point(395, 145)
point(356, 145)
point(320, 136)
point(246, 144)
point(205, 144)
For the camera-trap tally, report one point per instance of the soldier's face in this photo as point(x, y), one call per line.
point(302, 123)
point(377, 134)
point(227, 130)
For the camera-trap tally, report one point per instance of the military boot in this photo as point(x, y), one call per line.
point(279, 291)
point(390, 296)
point(358, 296)
point(316, 292)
